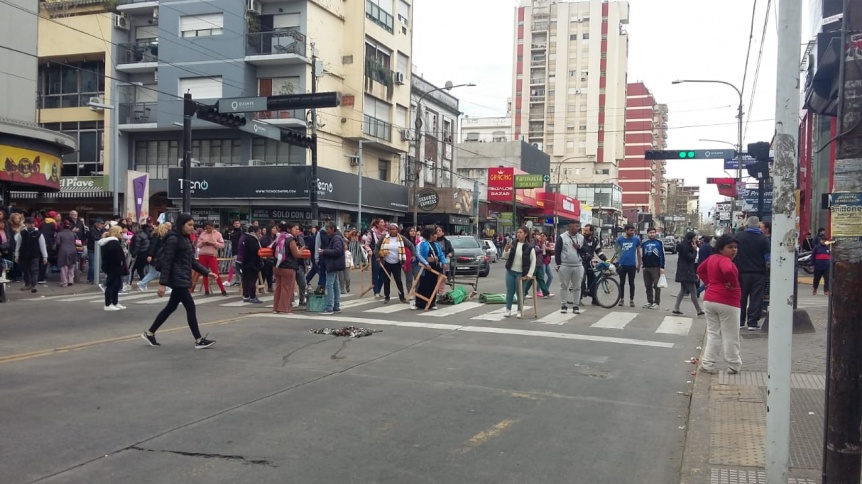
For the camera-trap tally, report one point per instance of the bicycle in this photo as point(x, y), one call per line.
point(605, 290)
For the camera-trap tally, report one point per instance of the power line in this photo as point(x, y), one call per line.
point(750, 40)
point(757, 69)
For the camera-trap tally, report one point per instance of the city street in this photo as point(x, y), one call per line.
point(455, 395)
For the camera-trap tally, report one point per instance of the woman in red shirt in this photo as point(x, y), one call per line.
point(721, 303)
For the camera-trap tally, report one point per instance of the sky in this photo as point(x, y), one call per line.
point(473, 41)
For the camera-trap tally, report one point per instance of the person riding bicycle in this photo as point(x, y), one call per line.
point(591, 249)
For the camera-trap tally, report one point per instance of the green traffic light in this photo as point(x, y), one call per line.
point(682, 154)
point(691, 154)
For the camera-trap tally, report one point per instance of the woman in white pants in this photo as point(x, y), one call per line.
point(721, 302)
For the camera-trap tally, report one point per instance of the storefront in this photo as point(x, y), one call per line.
point(31, 163)
point(450, 208)
point(87, 195)
point(556, 210)
point(271, 194)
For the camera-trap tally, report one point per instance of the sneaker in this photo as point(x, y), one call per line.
point(150, 339)
point(413, 307)
point(753, 328)
point(732, 371)
point(33, 289)
point(677, 312)
point(540, 294)
point(111, 308)
point(647, 305)
point(255, 300)
point(702, 313)
point(141, 287)
point(622, 302)
point(204, 343)
point(386, 301)
point(576, 310)
point(245, 299)
point(632, 303)
point(653, 306)
point(528, 296)
point(119, 306)
point(378, 296)
point(711, 371)
point(294, 304)
point(224, 293)
point(42, 282)
point(507, 313)
point(337, 310)
point(326, 312)
point(102, 287)
point(549, 295)
point(564, 309)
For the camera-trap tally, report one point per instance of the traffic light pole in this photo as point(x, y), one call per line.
point(844, 338)
point(312, 190)
point(189, 108)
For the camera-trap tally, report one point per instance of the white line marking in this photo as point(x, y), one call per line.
point(556, 318)
point(497, 314)
point(674, 325)
point(450, 310)
point(241, 304)
point(81, 298)
point(124, 298)
point(478, 329)
point(615, 320)
point(64, 297)
point(392, 307)
point(358, 302)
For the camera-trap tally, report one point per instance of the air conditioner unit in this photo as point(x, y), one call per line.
point(96, 100)
point(121, 22)
point(400, 78)
point(407, 135)
point(353, 159)
point(253, 6)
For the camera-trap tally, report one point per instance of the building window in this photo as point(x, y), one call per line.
point(273, 152)
point(573, 73)
point(498, 137)
point(201, 87)
point(582, 127)
point(447, 130)
point(377, 119)
point(431, 128)
point(573, 37)
point(379, 53)
point(379, 12)
point(605, 171)
point(87, 161)
point(154, 157)
point(586, 36)
point(383, 169)
point(204, 25)
point(217, 152)
point(403, 12)
point(72, 85)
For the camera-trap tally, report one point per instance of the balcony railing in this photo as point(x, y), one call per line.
point(538, 62)
point(377, 128)
point(290, 41)
point(138, 52)
point(540, 26)
point(537, 99)
point(376, 71)
point(379, 16)
point(51, 101)
point(137, 113)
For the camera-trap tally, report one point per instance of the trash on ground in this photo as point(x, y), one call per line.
point(700, 347)
point(490, 298)
point(349, 331)
point(455, 296)
point(810, 413)
point(692, 360)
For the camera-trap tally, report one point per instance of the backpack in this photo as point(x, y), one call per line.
point(160, 247)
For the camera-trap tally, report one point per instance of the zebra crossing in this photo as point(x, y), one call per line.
point(374, 309)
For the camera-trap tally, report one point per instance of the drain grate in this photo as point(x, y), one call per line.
point(736, 476)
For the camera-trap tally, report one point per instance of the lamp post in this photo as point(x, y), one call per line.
point(739, 133)
point(416, 164)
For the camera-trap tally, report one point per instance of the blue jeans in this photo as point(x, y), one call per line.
point(376, 280)
point(91, 257)
point(151, 274)
point(549, 275)
point(512, 278)
point(333, 292)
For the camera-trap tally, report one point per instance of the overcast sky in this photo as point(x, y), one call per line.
point(472, 41)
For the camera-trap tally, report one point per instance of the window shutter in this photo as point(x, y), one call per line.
point(201, 22)
point(202, 87)
point(147, 32)
point(285, 21)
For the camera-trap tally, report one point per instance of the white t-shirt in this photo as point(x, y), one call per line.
point(392, 256)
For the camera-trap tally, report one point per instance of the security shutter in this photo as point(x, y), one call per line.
point(285, 21)
point(202, 87)
point(191, 23)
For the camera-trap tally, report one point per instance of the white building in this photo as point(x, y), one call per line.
point(486, 130)
point(569, 85)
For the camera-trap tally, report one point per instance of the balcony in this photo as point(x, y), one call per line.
point(377, 128)
point(540, 26)
point(538, 62)
point(538, 46)
point(537, 80)
point(294, 118)
point(136, 6)
point(537, 99)
point(379, 16)
point(74, 100)
point(138, 113)
point(140, 56)
point(280, 47)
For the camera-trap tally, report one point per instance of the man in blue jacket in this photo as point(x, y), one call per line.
point(628, 261)
point(652, 260)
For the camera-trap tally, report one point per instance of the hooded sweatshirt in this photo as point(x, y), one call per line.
point(113, 258)
point(207, 248)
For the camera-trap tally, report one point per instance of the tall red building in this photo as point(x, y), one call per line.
point(646, 129)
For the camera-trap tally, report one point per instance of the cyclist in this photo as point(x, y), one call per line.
point(591, 248)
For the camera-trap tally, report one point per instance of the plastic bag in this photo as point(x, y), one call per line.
point(662, 282)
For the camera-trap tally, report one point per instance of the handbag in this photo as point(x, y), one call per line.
point(662, 282)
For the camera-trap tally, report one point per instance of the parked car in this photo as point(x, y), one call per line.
point(669, 244)
point(469, 256)
point(490, 249)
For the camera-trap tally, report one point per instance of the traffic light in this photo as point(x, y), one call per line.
point(296, 138)
point(758, 169)
point(670, 155)
point(212, 114)
point(759, 151)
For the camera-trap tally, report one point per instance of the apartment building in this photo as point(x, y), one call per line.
point(646, 129)
point(156, 51)
point(486, 130)
point(569, 85)
point(682, 201)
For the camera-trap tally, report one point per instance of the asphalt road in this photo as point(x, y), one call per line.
point(456, 395)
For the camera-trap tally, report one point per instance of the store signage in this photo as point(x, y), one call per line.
point(500, 184)
point(287, 182)
point(428, 200)
point(242, 104)
point(529, 181)
point(83, 184)
point(287, 215)
point(30, 167)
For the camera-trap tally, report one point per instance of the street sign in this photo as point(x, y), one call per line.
point(720, 154)
point(304, 101)
point(733, 164)
point(529, 181)
point(242, 104)
point(261, 129)
point(546, 178)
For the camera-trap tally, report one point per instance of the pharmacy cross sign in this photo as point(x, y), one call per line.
point(529, 181)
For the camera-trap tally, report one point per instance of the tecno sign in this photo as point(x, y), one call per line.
point(202, 185)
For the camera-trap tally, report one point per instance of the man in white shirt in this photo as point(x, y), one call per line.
point(570, 266)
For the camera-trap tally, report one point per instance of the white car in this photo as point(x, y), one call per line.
point(490, 249)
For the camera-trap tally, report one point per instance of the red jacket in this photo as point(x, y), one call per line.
point(717, 271)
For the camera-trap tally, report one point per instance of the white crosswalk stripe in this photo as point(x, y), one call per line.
point(241, 303)
point(615, 320)
point(450, 310)
point(82, 297)
point(358, 302)
point(497, 314)
point(123, 298)
point(390, 308)
point(557, 318)
point(674, 325)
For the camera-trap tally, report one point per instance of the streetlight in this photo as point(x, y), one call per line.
point(418, 123)
point(739, 127)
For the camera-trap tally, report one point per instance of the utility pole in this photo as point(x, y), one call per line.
point(359, 204)
point(189, 108)
point(416, 153)
point(844, 364)
point(312, 189)
point(784, 238)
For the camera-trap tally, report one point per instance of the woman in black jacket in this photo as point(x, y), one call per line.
point(251, 265)
point(686, 273)
point(176, 264)
point(113, 265)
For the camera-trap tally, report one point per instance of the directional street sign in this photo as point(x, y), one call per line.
point(529, 181)
point(719, 154)
point(733, 163)
point(261, 129)
point(242, 104)
point(546, 178)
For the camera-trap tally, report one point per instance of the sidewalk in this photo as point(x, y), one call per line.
point(725, 441)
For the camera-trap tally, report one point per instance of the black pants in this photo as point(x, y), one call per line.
point(30, 270)
point(267, 272)
point(395, 271)
point(627, 272)
point(140, 267)
point(249, 282)
point(587, 284)
point(179, 295)
point(113, 284)
point(426, 286)
point(751, 304)
point(821, 274)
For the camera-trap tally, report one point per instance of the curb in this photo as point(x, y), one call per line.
point(695, 457)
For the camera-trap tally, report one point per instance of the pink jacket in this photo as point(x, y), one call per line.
point(208, 248)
